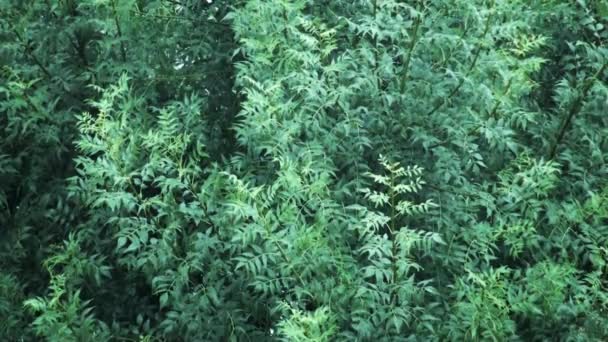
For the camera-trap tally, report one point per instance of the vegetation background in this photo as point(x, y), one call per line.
point(303, 170)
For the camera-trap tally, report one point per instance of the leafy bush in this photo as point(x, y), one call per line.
point(303, 171)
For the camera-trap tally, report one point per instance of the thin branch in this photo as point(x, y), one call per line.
point(376, 47)
point(174, 17)
point(176, 3)
point(406, 65)
point(119, 31)
point(286, 27)
point(574, 110)
point(497, 104)
point(80, 50)
point(471, 67)
point(458, 44)
point(30, 53)
point(393, 235)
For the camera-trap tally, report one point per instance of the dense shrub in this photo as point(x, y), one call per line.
point(303, 170)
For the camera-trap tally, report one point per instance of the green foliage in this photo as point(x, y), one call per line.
point(316, 326)
point(63, 316)
point(296, 170)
